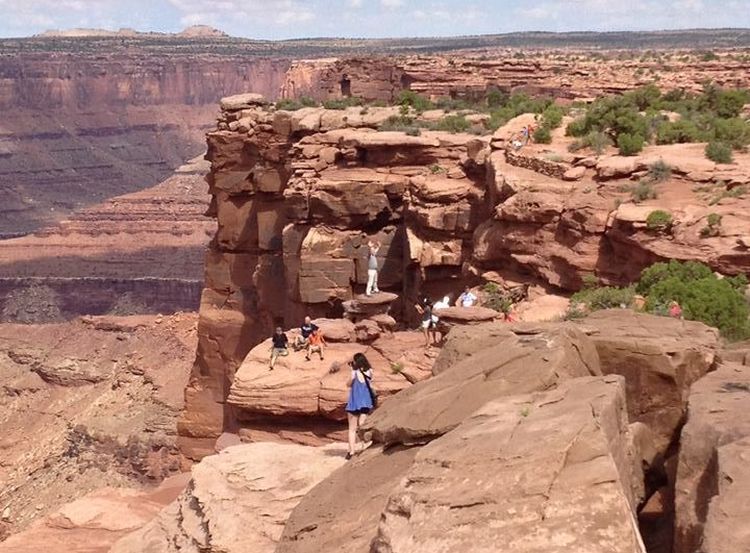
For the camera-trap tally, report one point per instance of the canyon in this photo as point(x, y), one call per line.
point(618, 431)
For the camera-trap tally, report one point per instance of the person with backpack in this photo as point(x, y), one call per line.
point(362, 398)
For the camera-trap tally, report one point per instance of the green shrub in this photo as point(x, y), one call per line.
point(659, 171)
point(542, 135)
point(497, 98)
point(678, 132)
point(552, 117)
point(713, 226)
point(343, 103)
point(629, 144)
point(702, 295)
point(598, 141)
point(577, 128)
point(290, 104)
point(659, 220)
point(604, 297)
point(453, 124)
point(496, 299)
point(409, 98)
point(643, 191)
point(734, 132)
point(719, 152)
point(401, 123)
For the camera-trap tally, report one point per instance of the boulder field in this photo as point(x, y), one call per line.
point(543, 437)
point(298, 195)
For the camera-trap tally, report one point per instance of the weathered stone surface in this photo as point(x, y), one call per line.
point(296, 387)
point(342, 512)
point(238, 499)
point(727, 529)
point(516, 364)
point(659, 357)
point(242, 101)
point(95, 522)
point(488, 481)
point(717, 416)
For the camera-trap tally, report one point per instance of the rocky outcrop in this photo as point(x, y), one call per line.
point(573, 492)
point(711, 472)
point(261, 482)
point(95, 522)
point(100, 396)
point(660, 359)
point(298, 195)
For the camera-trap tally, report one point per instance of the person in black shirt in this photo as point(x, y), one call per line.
point(306, 329)
point(279, 343)
point(424, 308)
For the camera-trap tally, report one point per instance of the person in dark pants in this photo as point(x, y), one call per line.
point(306, 329)
point(279, 343)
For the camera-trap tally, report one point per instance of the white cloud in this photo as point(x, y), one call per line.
point(392, 3)
point(228, 13)
point(355, 3)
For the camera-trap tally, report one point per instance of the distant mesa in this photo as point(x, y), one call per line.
point(194, 31)
point(202, 31)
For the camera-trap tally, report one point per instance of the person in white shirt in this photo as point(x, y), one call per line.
point(467, 299)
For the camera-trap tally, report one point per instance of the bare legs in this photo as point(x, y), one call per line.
point(355, 421)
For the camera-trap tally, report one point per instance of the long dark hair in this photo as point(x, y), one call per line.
point(360, 362)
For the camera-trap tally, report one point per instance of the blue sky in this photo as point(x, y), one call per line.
point(277, 19)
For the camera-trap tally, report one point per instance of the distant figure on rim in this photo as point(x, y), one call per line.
point(372, 267)
point(360, 398)
point(279, 343)
point(675, 311)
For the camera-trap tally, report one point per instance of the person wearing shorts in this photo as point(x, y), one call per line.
point(279, 343)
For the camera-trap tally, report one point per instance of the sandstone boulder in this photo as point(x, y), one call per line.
point(490, 481)
point(514, 365)
point(297, 387)
point(659, 357)
point(95, 522)
point(727, 527)
point(717, 415)
point(242, 101)
point(238, 500)
point(465, 341)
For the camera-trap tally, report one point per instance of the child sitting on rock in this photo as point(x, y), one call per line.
point(315, 344)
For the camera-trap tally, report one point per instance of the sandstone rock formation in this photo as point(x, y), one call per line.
point(711, 472)
point(660, 359)
point(95, 522)
point(237, 500)
point(298, 194)
point(491, 481)
point(88, 404)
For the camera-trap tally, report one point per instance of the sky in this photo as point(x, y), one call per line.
point(279, 19)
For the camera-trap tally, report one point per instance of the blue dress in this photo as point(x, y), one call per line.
point(359, 396)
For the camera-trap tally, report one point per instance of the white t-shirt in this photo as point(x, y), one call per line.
point(467, 299)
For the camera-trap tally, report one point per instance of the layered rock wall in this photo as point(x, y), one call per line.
point(298, 195)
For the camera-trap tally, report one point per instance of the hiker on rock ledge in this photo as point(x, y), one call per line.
point(372, 267)
point(279, 343)
point(361, 398)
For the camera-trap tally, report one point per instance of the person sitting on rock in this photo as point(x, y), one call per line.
point(306, 329)
point(467, 298)
point(442, 304)
point(372, 267)
point(428, 320)
point(315, 344)
point(361, 400)
point(279, 343)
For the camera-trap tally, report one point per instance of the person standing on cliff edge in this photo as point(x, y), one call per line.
point(372, 267)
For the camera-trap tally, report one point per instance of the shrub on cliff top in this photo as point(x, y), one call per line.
point(604, 297)
point(453, 123)
point(719, 152)
point(659, 220)
point(542, 135)
point(629, 144)
point(409, 98)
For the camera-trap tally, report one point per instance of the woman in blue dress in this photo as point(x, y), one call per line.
point(360, 399)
